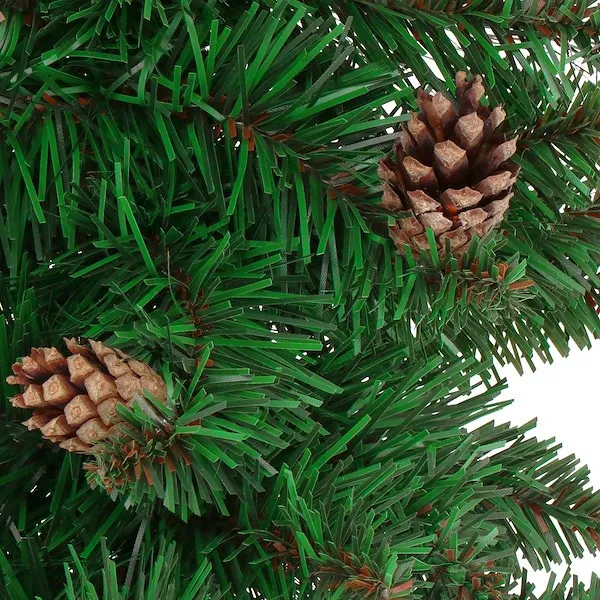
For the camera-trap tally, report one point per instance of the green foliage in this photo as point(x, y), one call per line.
point(159, 576)
point(195, 181)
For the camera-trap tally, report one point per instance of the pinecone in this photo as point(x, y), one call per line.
point(74, 399)
point(452, 171)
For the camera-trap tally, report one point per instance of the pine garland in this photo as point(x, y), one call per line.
point(196, 185)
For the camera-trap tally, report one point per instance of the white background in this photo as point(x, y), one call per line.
point(565, 398)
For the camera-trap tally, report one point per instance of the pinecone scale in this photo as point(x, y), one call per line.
point(451, 173)
point(74, 399)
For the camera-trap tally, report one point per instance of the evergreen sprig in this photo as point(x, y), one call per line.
point(195, 182)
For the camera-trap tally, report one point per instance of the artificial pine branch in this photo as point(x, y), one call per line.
point(197, 186)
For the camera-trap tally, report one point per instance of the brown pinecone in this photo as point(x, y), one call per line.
point(452, 171)
point(74, 399)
